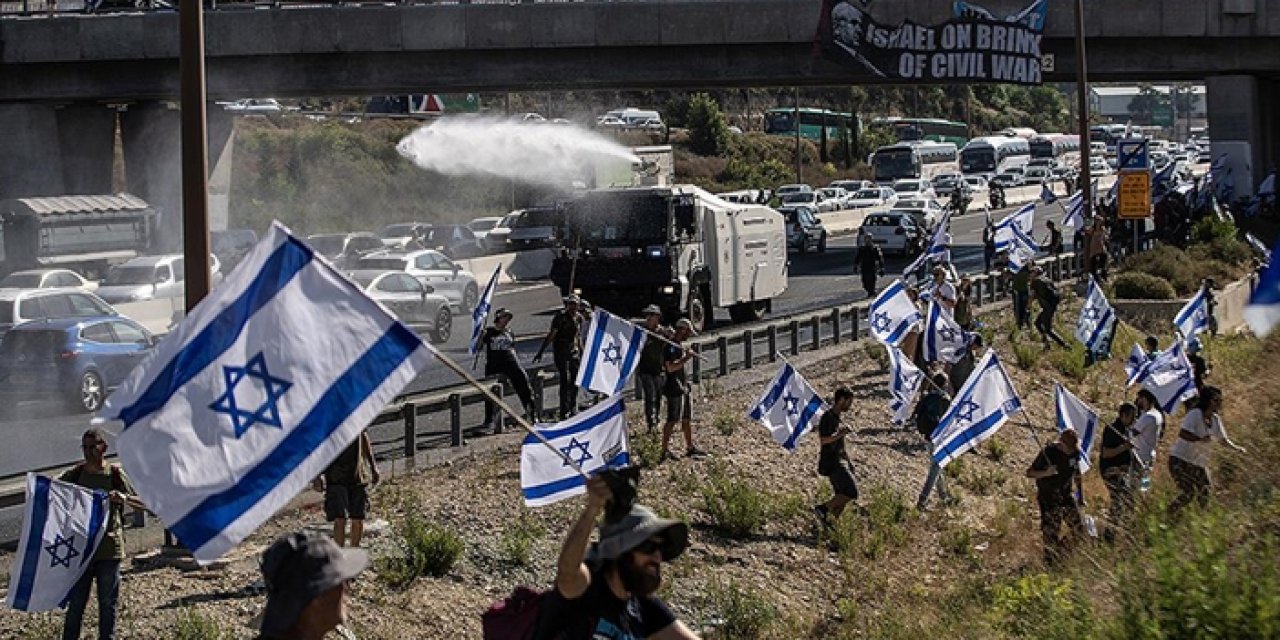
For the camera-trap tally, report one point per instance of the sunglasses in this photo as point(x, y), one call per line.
point(651, 546)
point(95, 445)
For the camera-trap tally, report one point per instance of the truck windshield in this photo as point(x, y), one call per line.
point(619, 218)
point(130, 275)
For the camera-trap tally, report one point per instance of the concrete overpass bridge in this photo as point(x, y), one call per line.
point(57, 73)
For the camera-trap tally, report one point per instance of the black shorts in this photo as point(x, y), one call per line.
point(345, 501)
point(679, 408)
point(842, 482)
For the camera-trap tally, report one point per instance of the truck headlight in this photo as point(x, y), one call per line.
point(577, 292)
point(668, 289)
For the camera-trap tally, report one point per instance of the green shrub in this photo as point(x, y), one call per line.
point(1141, 286)
point(736, 508)
point(745, 613)
point(426, 549)
point(1027, 355)
point(885, 527)
point(646, 446)
point(193, 625)
point(1210, 229)
point(957, 539)
point(518, 538)
point(726, 421)
point(708, 129)
point(997, 449)
point(1226, 250)
point(1070, 362)
point(1043, 607)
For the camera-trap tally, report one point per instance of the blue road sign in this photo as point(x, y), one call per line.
point(1131, 153)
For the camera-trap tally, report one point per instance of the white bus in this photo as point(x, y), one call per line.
point(916, 159)
point(1019, 132)
point(994, 154)
point(1064, 150)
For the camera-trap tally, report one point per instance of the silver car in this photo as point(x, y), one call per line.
point(414, 303)
point(151, 278)
point(431, 268)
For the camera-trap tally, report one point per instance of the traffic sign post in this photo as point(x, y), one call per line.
point(1131, 154)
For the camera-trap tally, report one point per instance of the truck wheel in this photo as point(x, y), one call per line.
point(700, 312)
point(748, 311)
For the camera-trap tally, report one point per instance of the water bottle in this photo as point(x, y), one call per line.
point(1145, 483)
point(1090, 526)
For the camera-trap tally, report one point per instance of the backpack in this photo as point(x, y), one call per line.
point(515, 617)
point(117, 479)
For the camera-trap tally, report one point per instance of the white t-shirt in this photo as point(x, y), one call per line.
point(1197, 453)
point(944, 292)
point(1146, 435)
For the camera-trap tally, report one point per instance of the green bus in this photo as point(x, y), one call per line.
point(933, 129)
point(782, 122)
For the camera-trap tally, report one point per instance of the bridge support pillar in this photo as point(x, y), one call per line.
point(31, 164)
point(1244, 122)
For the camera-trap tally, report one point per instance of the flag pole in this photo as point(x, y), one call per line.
point(456, 368)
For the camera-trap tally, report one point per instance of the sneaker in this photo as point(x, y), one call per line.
point(694, 452)
point(821, 511)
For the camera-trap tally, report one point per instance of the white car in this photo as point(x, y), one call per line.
point(151, 278)
point(928, 211)
point(23, 305)
point(610, 122)
point(912, 188)
point(1037, 175)
point(46, 279)
point(873, 197)
point(802, 199)
point(432, 268)
point(481, 228)
point(250, 106)
point(414, 303)
point(892, 231)
point(853, 186)
point(495, 239)
point(833, 199)
point(787, 189)
point(1098, 167)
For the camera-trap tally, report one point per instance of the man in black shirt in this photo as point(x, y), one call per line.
point(1056, 471)
point(1115, 463)
point(1053, 242)
point(1046, 293)
point(565, 338)
point(870, 262)
point(607, 593)
point(676, 389)
point(833, 460)
point(649, 371)
point(500, 359)
point(928, 414)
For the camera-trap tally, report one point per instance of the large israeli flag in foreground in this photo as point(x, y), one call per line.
point(481, 313)
point(593, 439)
point(905, 380)
point(1263, 311)
point(789, 407)
point(892, 314)
point(1072, 413)
point(979, 409)
point(256, 391)
point(1194, 316)
point(62, 524)
point(613, 351)
point(1096, 322)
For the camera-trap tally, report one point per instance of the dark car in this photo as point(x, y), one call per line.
point(536, 228)
point(231, 246)
point(804, 229)
point(73, 360)
point(344, 249)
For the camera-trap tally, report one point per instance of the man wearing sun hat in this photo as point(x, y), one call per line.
point(605, 589)
point(308, 579)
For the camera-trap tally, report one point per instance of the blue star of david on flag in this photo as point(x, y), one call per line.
point(965, 411)
point(947, 333)
point(1092, 313)
point(271, 387)
point(58, 543)
point(793, 404)
point(881, 321)
point(612, 354)
point(583, 455)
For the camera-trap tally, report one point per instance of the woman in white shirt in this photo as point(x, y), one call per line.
point(1189, 456)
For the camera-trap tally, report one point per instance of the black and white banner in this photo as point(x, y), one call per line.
point(973, 46)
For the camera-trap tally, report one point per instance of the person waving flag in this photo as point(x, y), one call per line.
point(1072, 413)
point(985, 402)
point(62, 525)
point(1096, 325)
point(480, 314)
point(1194, 316)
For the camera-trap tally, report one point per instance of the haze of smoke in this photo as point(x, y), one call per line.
point(543, 153)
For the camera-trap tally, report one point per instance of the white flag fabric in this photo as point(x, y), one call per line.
point(1136, 365)
point(892, 314)
point(62, 525)
point(1169, 377)
point(939, 250)
point(593, 439)
point(1263, 311)
point(1073, 213)
point(613, 352)
point(1021, 220)
point(481, 313)
point(1194, 316)
point(789, 407)
point(905, 380)
point(1022, 251)
point(1073, 413)
point(256, 391)
point(1096, 321)
point(944, 339)
point(980, 408)
point(1258, 247)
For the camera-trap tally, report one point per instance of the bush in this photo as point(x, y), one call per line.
point(1141, 286)
point(425, 549)
point(193, 625)
point(1070, 362)
point(726, 421)
point(1210, 229)
point(518, 538)
point(708, 129)
point(1027, 355)
point(745, 614)
point(737, 509)
point(885, 527)
point(1039, 606)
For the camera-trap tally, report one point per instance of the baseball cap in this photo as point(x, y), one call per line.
point(652, 310)
point(572, 299)
point(503, 311)
point(687, 324)
point(297, 568)
point(639, 525)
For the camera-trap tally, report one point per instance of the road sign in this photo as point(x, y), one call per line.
point(1135, 195)
point(1131, 153)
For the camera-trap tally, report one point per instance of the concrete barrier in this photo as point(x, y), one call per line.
point(516, 266)
point(1157, 314)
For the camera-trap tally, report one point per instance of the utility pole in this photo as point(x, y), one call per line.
point(795, 124)
point(1082, 104)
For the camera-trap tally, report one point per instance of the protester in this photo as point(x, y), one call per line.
point(345, 484)
point(928, 413)
point(870, 262)
point(940, 290)
point(1116, 465)
point(1099, 236)
point(1046, 294)
point(1189, 456)
point(963, 368)
point(1056, 471)
point(1053, 241)
point(963, 309)
point(676, 389)
point(833, 459)
point(988, 247)
point(566, 342)
point(95, 473)
point(1152, 346)
point(649, 371)
point(606, 589)
point(501, 359)
point(308, 580)
point(1145, 434)
point(1199, 368)
point(1021, 289)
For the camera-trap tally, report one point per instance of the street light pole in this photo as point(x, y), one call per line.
point(195, 154)
point(1082, 107)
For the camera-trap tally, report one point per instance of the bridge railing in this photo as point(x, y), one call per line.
point(50, 7)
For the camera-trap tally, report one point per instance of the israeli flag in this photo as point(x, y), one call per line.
point(256, 391)
point(1074, 414)
point(1263, 311)
point(1136, 365)
point(62, 524)
point(905, 380)
point(1096, 322)
point(939, 247)
point(944, 340)
point(892, 314)
point(980, 408)
point(1257, 245)
point(1169, 377)
point(1227, 189)
point(1219, 163)
point(1113, 191)
point(789, 407)
point(613, 351)
point(1194, 316)
point(1268, 186)
point(481, 313)
point(1022, 252)
point(1047, 195)
point(593, 439)
point(1160, 183)
point(1073, 213)
point(1021, 220)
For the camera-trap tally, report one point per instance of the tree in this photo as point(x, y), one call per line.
point(708, 129)
point(1143, 107)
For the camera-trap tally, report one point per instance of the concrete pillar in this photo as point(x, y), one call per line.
point(1236, 108)
point(31, 160)
point(87, 139)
